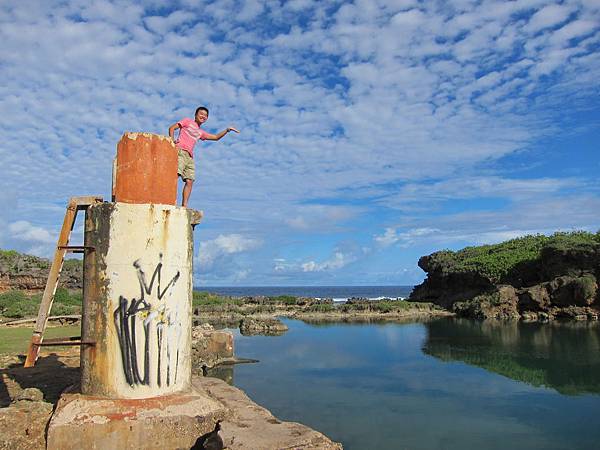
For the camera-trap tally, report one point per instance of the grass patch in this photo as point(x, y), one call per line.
point(16, 340)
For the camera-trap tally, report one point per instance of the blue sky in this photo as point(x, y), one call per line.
point(372, 132)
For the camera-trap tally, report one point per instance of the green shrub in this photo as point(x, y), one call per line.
point(285, 299)
point(321, 307)
point(64, 297)
point(60, 309)
point(10, 298)
point(25, 308)
point(72, 264)
point(201, 298)
point(496, 262)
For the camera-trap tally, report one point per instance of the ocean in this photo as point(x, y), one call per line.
point(337, 293)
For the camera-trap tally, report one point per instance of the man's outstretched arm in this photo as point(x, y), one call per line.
point(216, 137)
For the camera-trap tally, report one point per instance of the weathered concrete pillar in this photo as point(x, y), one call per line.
point(137, 300)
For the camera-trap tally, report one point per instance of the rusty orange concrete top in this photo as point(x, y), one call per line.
point(146, 169)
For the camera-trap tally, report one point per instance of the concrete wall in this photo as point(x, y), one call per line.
point(137, 300)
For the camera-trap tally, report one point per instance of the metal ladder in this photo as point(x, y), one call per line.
point(62, 248)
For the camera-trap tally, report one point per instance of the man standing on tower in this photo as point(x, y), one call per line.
point(189, 133)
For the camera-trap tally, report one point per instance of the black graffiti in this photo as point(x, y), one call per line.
point(125, 317)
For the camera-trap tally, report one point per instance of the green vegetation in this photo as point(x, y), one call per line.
point(9, 254)
point(16, 339)
point(500, 261)
point(213, 303)
point(284, 299)
point(201, 298)
point(321, 308)
point(383, 306)
point(12, 262)
point(17, 304)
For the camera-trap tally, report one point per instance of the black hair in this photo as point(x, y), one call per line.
point(201, 108)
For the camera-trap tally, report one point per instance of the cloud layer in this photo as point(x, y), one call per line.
point(372, 131)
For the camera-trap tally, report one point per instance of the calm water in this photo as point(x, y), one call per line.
point(335, 292)
point(446, 384)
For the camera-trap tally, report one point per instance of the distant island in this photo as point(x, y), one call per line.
point(534, 277)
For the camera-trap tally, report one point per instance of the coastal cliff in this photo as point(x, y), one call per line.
point(530, 278)
point(29, 273)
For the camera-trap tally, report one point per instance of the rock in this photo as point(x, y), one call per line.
point(29, 273)
point(253, 427)
point(167, 422)
point(534, 298)
point(580, 291)
point(545, 317)
point(529, 316)
point(557, 261)
point(210, 347)
point(23, 425)
point(579, 313)
point(499, 304)
point(29, 395)
point(564, 274)
point(252, 326)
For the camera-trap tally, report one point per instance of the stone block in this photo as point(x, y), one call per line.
point(209, 346)
point(169, 422)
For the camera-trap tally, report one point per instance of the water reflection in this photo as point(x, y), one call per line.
point(563, 356)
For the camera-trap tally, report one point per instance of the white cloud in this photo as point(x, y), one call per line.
point(373, 107)
point(549, 16)
point(320, 217)
point(25, 231)
point(406, 238)
point(336, 262)
point(224, 245)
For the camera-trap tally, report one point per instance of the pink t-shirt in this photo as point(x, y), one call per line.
point(189, 133)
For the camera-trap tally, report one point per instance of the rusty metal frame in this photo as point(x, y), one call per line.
point(75, 204)
point(75, 340)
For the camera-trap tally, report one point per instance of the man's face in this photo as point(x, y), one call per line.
point(201, 117)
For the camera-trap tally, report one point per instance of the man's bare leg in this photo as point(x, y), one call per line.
point(187, 190)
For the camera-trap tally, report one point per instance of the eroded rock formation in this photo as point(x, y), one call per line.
point(29, 273)
point(560, 281)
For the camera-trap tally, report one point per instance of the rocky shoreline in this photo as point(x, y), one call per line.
point(535, 278)
point(29, 396)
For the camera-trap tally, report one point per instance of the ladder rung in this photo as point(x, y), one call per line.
point(64, 338)
point(47, 344)
point(76, 248)
point(74, 340)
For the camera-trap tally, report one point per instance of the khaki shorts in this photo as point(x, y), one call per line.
point(185, 165)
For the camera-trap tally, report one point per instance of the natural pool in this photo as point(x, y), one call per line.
point(444, 384)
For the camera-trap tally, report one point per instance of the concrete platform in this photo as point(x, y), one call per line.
point(169, 422)
point(252, 427)
point(176, 422)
